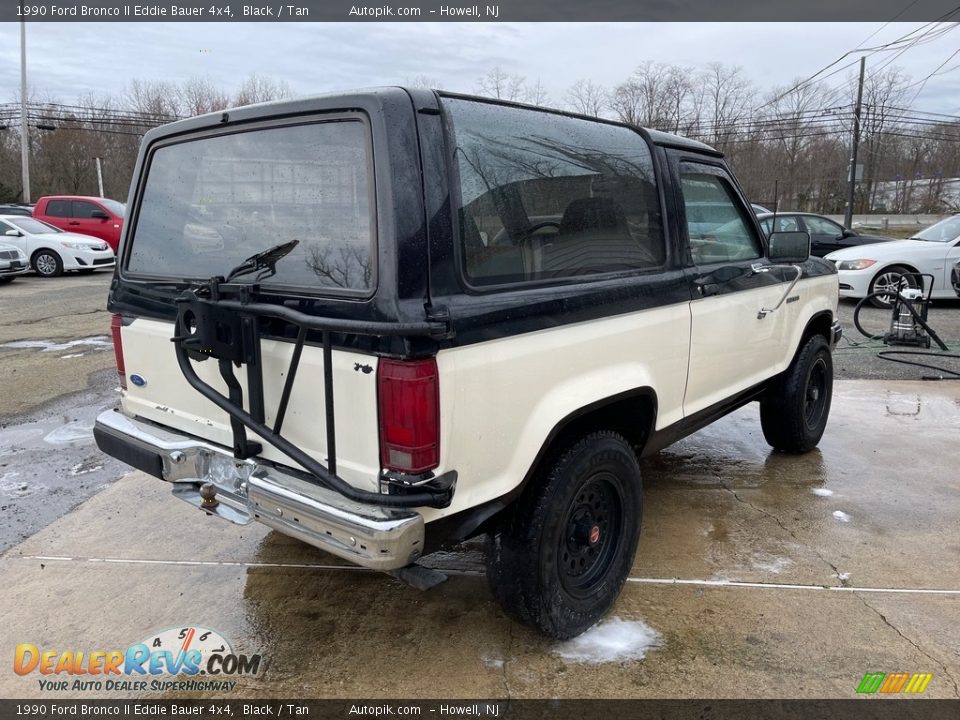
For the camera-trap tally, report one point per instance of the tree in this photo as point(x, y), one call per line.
point(500, 84)
point(587, 98)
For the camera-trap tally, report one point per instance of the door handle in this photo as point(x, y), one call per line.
point(707, 289)
point(73, 222)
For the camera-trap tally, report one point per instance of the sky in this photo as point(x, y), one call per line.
point(66, 61)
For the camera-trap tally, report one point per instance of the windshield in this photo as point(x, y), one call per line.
point(117, 208)
point(944, 231)
point(34, 227)
point(210, 203)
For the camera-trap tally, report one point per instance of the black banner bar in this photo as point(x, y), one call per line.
point(894, 708)
point(477, 11)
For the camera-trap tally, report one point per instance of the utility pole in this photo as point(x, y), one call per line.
point(99, 177)
point(24, 132)
point(848, 220)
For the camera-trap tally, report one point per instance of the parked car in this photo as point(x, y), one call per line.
point(16, 209)
point(880, 268)
point(826, 235)
point(12, 263)
point(759, 209)
point(498, 369)
point(955, 278)
point(99, 217)
point(52, 251)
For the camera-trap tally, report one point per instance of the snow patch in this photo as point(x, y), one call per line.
point(97, 342)
point(82, 468)
point(492, 662)
point(12, 488)
point(612, 640)
point(841, 516)
point(822, 492)
point(72, 355)
point(72, 432)
point(775, 565)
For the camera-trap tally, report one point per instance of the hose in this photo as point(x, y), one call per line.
point(888, 355)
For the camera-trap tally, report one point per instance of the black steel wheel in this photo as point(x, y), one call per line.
point(795, 408)
point(560, 557)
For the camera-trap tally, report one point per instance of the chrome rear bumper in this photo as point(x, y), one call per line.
point(374, 537)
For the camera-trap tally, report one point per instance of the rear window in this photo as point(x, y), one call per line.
point(546, 196)
point(211, 202)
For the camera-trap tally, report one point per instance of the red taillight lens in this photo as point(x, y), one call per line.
point(116, 322)
point(409, 396)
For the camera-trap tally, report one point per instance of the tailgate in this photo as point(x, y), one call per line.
point(163, 395)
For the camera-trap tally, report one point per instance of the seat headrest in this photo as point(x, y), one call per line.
point(591, 214)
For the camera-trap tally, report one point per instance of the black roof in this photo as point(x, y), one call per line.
point(325, 102)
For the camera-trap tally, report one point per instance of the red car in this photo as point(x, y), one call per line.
point(100, 217)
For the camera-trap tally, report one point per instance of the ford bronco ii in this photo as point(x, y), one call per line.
point(390, 320)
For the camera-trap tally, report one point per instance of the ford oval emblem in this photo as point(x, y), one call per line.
point(138, 380)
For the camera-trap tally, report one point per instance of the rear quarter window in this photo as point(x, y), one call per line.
point(546, 196)
point(210, 202)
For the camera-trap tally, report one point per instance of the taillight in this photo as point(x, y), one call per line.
point(116, 322)
point(409, 398)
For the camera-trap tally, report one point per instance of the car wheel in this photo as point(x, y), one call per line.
point(887, 284)
point(795, 408)
point(561, 556)
point(47, 263)
point(5, 280)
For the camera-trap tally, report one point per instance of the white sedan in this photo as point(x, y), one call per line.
point(51, 250)
point(879, 268)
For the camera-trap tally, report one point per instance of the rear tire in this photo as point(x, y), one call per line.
point(795, 408)
point(47, 263)
point(5, 280)
point(561, 556)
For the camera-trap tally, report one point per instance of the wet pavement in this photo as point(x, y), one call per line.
point(758, 575)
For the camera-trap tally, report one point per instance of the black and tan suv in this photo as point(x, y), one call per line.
point(386, 321)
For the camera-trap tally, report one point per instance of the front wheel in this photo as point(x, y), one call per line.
point(795, 408)
point(47, 263)
point(886, 285)
point(561, 557)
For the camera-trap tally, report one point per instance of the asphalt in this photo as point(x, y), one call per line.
point(758, 574)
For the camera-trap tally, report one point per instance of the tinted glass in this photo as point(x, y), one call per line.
point(210, 203)
point(822, 226)
point(83, 209)
point(58, 208)
point(546, 196)
point(716, 222)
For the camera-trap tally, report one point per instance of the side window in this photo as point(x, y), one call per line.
point(716, 222)
point(82, 209)
point(820, 226)
point(58, 208)
point(545, 196)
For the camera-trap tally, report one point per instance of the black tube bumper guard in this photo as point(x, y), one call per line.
point(376, 530)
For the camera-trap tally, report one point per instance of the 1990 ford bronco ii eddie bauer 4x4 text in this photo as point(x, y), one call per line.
point(393, 319)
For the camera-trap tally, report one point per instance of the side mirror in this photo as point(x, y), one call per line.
point(99, 215)
point(14, 233)
point(847, 232)
point(789, 247)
